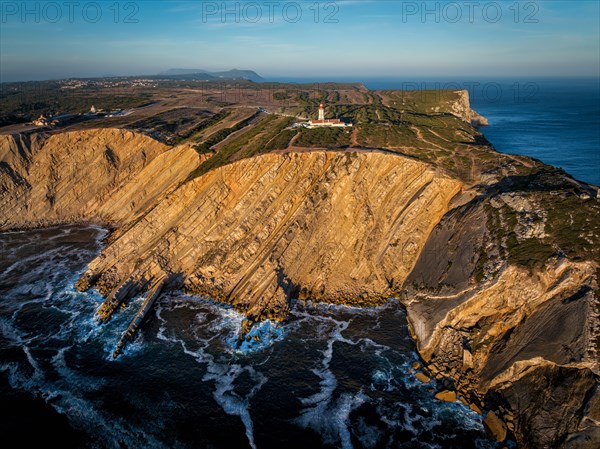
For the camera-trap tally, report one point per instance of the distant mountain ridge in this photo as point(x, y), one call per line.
point(234, 74)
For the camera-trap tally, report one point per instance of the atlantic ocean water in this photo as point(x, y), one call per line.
point(330, 377)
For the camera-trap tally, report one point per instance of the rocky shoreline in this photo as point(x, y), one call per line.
point(495, 257)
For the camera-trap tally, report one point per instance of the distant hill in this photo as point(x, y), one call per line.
point(234, 74)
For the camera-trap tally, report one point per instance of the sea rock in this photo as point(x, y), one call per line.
point(422, 378)
point(495, 427)
point(475, 408)
point(447, 396)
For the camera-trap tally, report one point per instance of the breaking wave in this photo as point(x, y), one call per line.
point(331, 375)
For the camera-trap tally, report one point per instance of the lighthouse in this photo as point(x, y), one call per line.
point(322, 121)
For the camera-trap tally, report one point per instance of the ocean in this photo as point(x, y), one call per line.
point(554, 120)
point(330, 377)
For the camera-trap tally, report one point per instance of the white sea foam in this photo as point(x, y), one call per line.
point(231, 370)
point(42, 275)
point(346, 404)
point(260, 337)
point(382, 381)
point(27, 261)
point(320, 414)
point(221, 373)
point(11, 333)
point(67, 399)
point(224, 377)
point(369, 436)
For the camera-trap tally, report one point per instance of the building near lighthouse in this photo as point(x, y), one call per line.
point(322, 121)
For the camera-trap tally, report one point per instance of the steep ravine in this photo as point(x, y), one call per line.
point(511, 332)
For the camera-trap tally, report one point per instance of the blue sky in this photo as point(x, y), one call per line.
point(346, 39)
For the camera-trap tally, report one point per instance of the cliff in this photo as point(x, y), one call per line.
point(496, 257)
point(103, 175)
point(504, 304)
point(330, 226)
point(461, 107)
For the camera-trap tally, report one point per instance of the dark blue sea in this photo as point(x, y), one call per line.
point(556, 120)
point(330, 377)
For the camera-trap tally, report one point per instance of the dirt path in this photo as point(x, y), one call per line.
point(437, 135)
point(293, 140)
point(423, 139)
point(354, 137)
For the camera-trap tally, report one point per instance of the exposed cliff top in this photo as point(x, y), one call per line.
point(496, 256)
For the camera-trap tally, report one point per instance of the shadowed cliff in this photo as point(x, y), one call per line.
point(496, 257)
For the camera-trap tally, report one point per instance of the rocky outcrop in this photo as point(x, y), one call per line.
point(329, 226)
point(499, 277)
point(139, 317)
point(101, 175)
point(514, 330)
point(461, 107)
point(550, 405)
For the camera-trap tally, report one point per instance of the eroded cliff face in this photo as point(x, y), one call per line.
point(500, 281)
point(536, 323)
point(101, 175)
point(461, 107)
point(511, 321)
point(328, 226)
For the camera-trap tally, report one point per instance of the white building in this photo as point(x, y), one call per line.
point(322, 121)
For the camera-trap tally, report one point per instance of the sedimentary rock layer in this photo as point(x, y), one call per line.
point(102, 175)
point(330, 226)
point(519, 340)
point(501, 290)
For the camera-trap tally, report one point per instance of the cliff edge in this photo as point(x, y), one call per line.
point(496, 257)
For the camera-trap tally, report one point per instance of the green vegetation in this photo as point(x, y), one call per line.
point(324, 138)
point(420, 101)
point(222, 134)
point(366, 113)
point(23, 102)
point(259, 139)
point(281, 96)
point(280, 141)
point(332, 97)
point(389, 137)
point(530, 253)
point(571, 227)
point(177, 124)
point(481, 265)
point(211, 121)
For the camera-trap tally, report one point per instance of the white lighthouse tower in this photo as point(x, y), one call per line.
point(322, 121)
